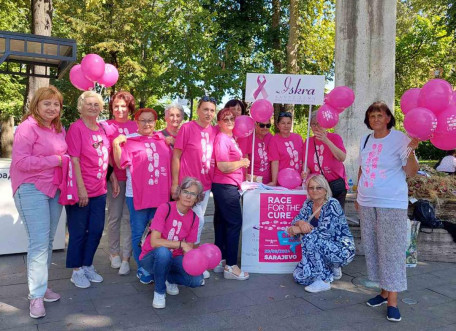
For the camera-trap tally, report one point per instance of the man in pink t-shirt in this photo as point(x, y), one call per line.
point(192, 155)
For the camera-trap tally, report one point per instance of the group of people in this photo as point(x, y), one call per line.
point(156, 186)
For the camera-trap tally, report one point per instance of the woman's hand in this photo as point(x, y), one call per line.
point(293, 230)
point(169, 140)
point(305, 227)
point(304, 174)
point(186, 247)
point(321, 135)
point(115, 185)
point(121, 139)
point(60, 160)
point(245, 162)
point(83, 196)
point(413, 144)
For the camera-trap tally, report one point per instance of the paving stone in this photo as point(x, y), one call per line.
point(335, 298)
point(448, 290)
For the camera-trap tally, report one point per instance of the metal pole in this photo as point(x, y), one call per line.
point(253, 156)
point(307, 139)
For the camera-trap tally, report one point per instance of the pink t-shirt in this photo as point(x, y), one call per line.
point(92, 149)
point(227, 150)
point(175, 227)
point(149, 161)
point(288, 151)
point(34, 158)
point(196, 144)
point(332, 168)
point(113, 130)
point(262, 164)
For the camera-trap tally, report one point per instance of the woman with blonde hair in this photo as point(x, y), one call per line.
point(88, 147)
point(39, 144)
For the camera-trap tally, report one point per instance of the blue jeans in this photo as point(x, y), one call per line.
point(161, 263)
point(138, 222)
point(40, 215)
point(85, 228)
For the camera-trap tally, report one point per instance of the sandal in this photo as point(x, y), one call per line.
point(229, 274)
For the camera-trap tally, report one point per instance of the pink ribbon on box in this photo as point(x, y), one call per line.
point(260, 89)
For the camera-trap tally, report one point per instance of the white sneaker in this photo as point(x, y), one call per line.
point(206, 274)
point(115, 261)
point(159, 300)
point(124, 268)
point(337, 273)
point(221, 267)
point(171, 289)
point(318, 286)
point(79, 279)
point(92, 274)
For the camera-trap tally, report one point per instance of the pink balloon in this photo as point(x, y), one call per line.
point(93, 66)
point(327, 116)
point(194, 262)
point(262, 110)
point(444, 142)
point(420, 123)
point(340, 98)
point(243, 126)
point(110, 76)
point(446, 121)
point(453, 98)
point(78, 79)
point(435, 95)
point(409, 99)
point(289, 178)
point(212, 253)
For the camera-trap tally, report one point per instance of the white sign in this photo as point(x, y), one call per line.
point(287, 89)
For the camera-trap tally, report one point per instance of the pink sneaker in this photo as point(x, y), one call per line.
point(37, 308)
point(51, 296)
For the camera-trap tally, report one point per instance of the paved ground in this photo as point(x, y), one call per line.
point(265, 302)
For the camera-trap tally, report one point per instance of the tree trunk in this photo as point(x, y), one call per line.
point(41, 25)
point(292, 45)
point(6, 137)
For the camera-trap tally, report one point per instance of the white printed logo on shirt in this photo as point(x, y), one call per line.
point(124, 131)
point(173, 233)
point(206, 148)
point(264, 164)
point(319, 151)
point(371, 166)
point(102, 153)
point(293, 154)
point(154, 160)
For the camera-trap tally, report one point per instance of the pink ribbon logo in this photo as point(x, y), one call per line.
point(260, 88)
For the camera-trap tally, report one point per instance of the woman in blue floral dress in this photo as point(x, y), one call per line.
point(327, 244)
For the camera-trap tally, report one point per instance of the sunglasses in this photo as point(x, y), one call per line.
point(144, 122)
point(262, 125)
point(285, 114)
point(97, 144)
point(208, 99)
point(228, 119)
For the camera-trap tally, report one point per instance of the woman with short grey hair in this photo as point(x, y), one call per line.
point(173, 232)
point(174, 115)
point(326, 241)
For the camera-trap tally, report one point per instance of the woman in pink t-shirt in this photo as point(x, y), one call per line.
point(121, 106)
point(262, 164)
point(228, 176)
point(326, 156)
point(88, 147)
point(174, 115)
point(285, 148)
point(147, 158)
point(174, 231)
point(39, 143)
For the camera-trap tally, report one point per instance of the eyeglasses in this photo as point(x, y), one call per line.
point(314, 124)
point(262, 125)
point(285, 114)
point(316, 188)
point(205, 98)
point(228, 119)
point(97, 144)
point(189, 194)
point(144, 122)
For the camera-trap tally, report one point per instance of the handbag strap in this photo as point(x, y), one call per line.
point(318, 159)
